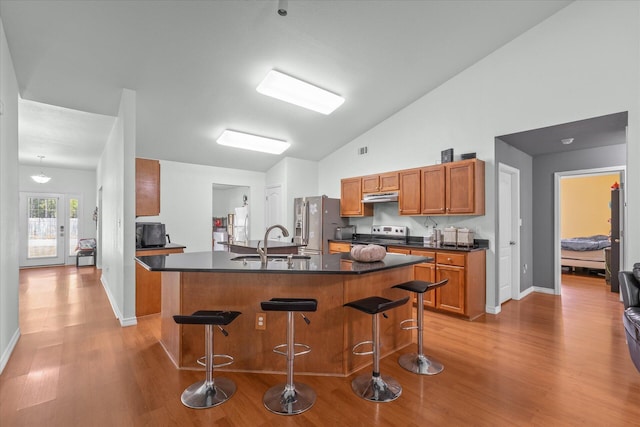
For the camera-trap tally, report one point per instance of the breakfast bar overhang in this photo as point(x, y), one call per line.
point(227, 281)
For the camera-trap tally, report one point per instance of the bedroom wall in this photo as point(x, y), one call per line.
point(585, 205)
point(544, 168)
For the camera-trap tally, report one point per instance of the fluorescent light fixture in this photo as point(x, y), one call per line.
point(247, 141)
point(297, 92)
point(42, 178)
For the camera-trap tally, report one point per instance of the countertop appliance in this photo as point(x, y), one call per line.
point(384, 235)
point(315, 222)
point(150, 235)
point(346, 232)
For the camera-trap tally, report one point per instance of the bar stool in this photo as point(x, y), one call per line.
point(290, 398)
point(375, 387)
point(419, 363)
point(209, 393)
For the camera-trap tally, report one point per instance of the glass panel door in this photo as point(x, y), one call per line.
point(43, 229)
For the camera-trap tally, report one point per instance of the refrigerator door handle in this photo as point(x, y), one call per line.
point(305, 222)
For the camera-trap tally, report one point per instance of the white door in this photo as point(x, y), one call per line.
point(273, 210)
point(49, 228)
point(508, 230)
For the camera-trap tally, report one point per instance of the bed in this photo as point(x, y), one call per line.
point(586, 252)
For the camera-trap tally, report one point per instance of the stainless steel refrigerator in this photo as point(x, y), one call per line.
point(315, 220)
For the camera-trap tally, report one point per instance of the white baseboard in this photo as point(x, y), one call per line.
point(130, 321)
point(9, 350)
point(544, 290)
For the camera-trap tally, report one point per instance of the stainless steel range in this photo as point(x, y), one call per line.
point(385, 235)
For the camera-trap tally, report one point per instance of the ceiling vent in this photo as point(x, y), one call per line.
point(362, 151)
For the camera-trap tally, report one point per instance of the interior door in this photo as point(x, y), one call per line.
point(508, 227)
point(42, 229)
point(273, 210)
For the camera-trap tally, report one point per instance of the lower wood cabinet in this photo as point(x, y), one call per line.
point(338, 247)
point(149, 283)
point(465, 293)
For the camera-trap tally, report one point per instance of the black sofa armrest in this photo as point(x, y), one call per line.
point(630, 289)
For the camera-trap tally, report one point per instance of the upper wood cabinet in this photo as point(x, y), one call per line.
point(380, 182)
point(455, 188)
point(409, 194)
point(351, 198)
point(147, 187)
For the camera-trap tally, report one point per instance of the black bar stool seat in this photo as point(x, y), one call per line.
point(419, 363)
point(375, 387)
point(209, 393)
point(290, 398)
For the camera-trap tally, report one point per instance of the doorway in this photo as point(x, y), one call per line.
point(49, 228)
point(273, 208)
point(584, 259)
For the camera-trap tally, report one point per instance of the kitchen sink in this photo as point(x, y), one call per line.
point(270, 258)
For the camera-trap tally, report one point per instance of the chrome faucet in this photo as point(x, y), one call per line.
point(263, 251)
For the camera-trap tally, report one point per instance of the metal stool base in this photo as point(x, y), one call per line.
point(376, 389)
point(286, 400)
point(200, 395)
point(420, 364)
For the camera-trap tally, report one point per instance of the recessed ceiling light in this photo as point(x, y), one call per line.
point(247, 141)
point(297, 92)
point(567, 141)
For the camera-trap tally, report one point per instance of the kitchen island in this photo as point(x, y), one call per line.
point(228, 281)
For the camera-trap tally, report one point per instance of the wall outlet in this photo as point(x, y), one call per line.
point(261, 321)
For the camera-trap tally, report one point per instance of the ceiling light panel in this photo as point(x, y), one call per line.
point(247, 141)
point(297, 92)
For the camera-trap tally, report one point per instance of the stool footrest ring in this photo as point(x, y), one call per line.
point(408, 328)
point(362, 353)
point(202, 360)
point(306, 350)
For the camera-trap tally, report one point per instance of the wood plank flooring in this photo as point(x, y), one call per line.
point(543, 361)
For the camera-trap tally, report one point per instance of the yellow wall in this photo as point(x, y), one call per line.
point(584, 205)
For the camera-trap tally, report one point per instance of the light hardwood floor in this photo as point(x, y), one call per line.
point(544, 360)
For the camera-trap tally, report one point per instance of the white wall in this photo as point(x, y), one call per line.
point(116, 177)
point(9, 326)
point(581, 62)
point(186, 193)
point(298, 178)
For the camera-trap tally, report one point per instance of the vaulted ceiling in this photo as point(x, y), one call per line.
point(195, 64)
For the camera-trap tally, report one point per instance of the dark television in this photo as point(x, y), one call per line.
point(150, 234)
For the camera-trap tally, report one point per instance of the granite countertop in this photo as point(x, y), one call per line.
point(223, 262)
point(417, 243)
point(161, 248)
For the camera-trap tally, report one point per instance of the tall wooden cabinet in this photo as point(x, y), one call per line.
point(147, 187)
point(409, 194)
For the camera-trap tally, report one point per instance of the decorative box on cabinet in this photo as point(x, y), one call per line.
point(351, 198)
point(147, 187)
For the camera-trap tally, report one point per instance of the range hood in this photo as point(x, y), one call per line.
point(391, 196)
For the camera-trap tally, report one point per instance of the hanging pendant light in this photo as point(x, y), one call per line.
point(42, 178)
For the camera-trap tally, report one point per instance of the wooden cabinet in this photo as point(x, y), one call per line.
point(338, 247)
point(455, 188)
point(149, 283)
point(147, 187)
point(409, 194)
point(351, 198)
point(464, 294)
point(381, 182)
